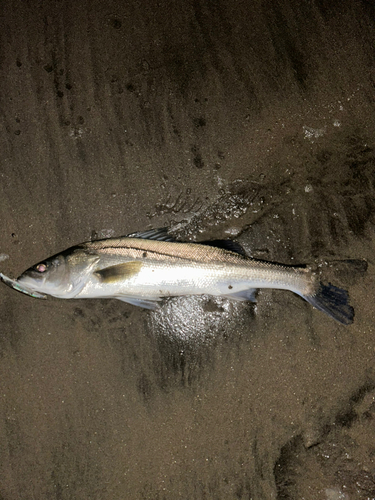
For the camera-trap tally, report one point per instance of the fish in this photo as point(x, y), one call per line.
point(144, 268)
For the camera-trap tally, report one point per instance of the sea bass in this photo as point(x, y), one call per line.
point(143, 268)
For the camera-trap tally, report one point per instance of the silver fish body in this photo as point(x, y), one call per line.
point(145, 267)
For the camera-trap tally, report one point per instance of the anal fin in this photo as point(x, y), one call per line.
point(248, 294)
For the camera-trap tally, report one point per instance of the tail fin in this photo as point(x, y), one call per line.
point(333, 301)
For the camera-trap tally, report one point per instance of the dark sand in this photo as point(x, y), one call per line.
point(227, 118)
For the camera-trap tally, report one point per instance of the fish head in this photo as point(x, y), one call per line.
point(63, 275)
point(51, 276)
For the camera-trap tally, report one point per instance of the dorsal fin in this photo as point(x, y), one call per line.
point(230, 245)
point(159, 234)
point(162, 234)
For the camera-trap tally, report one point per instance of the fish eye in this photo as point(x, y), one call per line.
point(41, 267)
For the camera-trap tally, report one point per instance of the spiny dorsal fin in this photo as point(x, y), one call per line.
point(230, 245)
point(119, 272)
point(159, 234)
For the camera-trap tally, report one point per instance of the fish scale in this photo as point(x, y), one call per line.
point(220, 264)
point(175, 250)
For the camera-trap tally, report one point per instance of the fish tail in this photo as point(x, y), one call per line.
point(333, 301)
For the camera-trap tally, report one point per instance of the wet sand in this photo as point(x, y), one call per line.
point(249, 120)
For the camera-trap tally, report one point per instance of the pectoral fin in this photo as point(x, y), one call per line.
point(119, 272)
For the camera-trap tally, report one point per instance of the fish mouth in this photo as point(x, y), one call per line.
point(16, 286)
